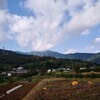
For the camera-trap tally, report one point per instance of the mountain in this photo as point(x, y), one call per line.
point(11, 59)
point(7, 52)
point(45, 53)
point(91, 57)
point(95, 58)
point(81, 56)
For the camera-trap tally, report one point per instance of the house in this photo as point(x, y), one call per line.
point(3, 73)
point(68, 69)
point(82, 68)
point(51, 70)
point(19, 70)
point(59, 70)
point(9, 74)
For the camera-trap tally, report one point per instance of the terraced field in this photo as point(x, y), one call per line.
point(53, 89)
point(63, 90)
point(60, 89)
point(19, 94)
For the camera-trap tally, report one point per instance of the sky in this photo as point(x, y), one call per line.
point(65, 26)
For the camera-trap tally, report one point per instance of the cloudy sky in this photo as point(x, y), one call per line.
point(66, 26)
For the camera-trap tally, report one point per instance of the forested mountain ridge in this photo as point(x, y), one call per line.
point(10, 59)
point(92, 57)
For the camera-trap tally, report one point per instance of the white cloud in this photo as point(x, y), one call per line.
point(47, 27)
point(86, 32)
point(50, 14)
point(89, 48)
point(29, 31)
point(4, 34)
point(42, 32)
point(97, 40)
point(86, 19)
point(95, 46)
point(67, 51)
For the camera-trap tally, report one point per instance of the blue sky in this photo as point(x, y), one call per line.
point(65, 26)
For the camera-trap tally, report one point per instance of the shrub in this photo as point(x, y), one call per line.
point(79, 76)
point(3, 79)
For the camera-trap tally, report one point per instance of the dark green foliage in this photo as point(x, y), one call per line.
point(81, 56)
point(3, 79)
point(36, 64)
point(79, 75)
point(92, 76)
point(30, 62)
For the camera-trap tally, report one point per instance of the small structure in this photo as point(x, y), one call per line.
point(19, 70)
point(82, 68)
point(13, 89)
point(3, 73)
point(9, 74)
point(49, 71)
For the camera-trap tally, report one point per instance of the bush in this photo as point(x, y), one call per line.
point(3, 79)
point(29, 79)
point(69, 75)
point(92, 76)
point(79, 76)
point(12, 79)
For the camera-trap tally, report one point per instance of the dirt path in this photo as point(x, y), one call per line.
point(36, 91)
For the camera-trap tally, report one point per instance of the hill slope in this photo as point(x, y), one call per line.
point(47, 53)
point(10, 59)
point(95, 58)
point(91, 57)
point(81, 56)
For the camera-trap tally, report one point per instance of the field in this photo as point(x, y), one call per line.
point(62, 89)
point(18, 94)
point(54, 89)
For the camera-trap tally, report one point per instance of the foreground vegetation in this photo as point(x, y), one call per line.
point(37, 67)
point(9, 60)
point(37, 78)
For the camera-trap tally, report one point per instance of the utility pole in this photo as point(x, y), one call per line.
point(42, 54)
point(3, 50)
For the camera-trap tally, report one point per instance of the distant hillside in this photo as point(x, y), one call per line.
point(81, 56)
point(95, 58)
point(7, 52)
point(47, 53)
point(91, 57)
point(10, 59)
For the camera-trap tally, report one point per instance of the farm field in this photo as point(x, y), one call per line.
point(54, 89)
point(60, 89)
point(18, 94)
